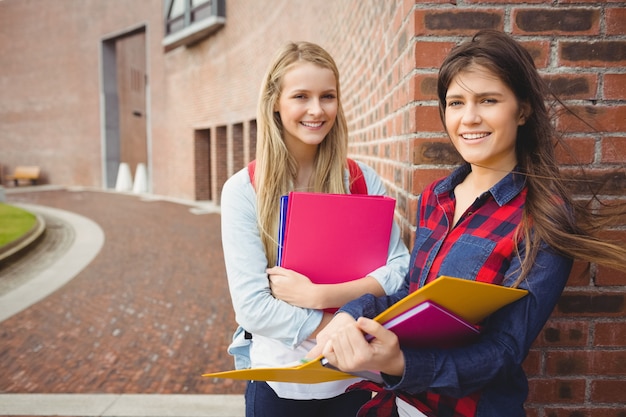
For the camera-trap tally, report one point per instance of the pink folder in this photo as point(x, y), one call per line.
point(333, 238)
point(429, 325)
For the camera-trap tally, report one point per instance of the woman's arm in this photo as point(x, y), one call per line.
point(298, 290)
point(504, 343)
point(365, 306)
point(256, 310)
point(505, 339)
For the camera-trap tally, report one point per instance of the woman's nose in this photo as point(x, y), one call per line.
point(470, 115)
point(315, 107)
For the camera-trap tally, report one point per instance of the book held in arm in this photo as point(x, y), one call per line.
point(334, 238)
point(429, 325)
point(281, 228)
point(462, 302)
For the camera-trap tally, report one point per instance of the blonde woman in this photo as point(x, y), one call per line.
point(301, 146)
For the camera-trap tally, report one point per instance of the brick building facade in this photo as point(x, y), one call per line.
point(92, 83)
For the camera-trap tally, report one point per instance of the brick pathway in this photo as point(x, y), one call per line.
point(149, 314)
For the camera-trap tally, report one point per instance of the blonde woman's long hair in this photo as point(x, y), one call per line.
point(276, 169)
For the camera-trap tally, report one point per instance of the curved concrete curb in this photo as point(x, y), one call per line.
point(23, 242)
point(89, 239)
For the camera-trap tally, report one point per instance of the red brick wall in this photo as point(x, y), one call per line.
point(578, 364)
point(388, 53)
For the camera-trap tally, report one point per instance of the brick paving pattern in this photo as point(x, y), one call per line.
point(149, 314)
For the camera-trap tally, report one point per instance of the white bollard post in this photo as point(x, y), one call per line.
point(141, 179)
point(124, 180)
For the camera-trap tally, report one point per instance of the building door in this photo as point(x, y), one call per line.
point(124, 91)
point(131, 87)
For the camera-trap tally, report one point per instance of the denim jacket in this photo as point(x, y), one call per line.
point(492, 365)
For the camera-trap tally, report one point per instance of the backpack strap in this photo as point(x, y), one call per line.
point(357, 180)
point(251, 167)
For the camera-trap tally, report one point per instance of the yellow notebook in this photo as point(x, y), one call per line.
point(470, 300)
point(312, 372)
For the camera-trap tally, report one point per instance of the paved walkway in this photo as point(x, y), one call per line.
point(116, 310)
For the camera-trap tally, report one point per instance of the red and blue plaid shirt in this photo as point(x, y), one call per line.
point(485, 378)
point(480, 246)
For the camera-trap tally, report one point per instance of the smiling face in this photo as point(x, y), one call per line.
point(307, 105)
point(481, 117)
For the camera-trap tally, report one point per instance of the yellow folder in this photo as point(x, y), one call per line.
point(312, 372)
point(470, 300)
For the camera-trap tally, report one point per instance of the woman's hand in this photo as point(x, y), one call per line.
point(349, 350)
point(337, 324)
point(298, 290)
point(294, 288)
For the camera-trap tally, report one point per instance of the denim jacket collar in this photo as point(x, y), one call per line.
point(507, 188)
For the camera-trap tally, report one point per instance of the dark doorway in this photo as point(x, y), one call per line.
point(202, 154)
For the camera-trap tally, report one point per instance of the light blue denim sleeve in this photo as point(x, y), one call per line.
point(391, 276)
point(256, 310)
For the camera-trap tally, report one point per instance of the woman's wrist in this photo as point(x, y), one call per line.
point(395, 366)
point(321, 296)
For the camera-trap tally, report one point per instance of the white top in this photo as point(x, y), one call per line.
point(280, 330)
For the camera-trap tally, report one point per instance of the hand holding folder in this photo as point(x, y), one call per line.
point(466, 300)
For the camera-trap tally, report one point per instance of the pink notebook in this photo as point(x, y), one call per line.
point(428, 325)
point(333, 238)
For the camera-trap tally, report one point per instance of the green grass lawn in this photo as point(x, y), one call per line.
point(14, 223)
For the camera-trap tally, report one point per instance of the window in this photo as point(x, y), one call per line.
point(188, 21)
